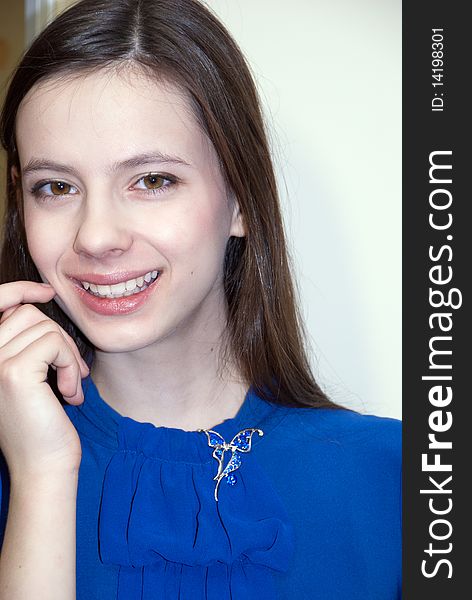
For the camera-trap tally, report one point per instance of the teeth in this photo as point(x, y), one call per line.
point(118, 288)
point(124, 288)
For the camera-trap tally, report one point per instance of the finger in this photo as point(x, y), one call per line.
point(52, 349)
point(9, 312)
point(11, 344)
point(22, 292)
point(26, 315)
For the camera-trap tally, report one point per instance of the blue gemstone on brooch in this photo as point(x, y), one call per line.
point(214, 439)
point(233, 464)
point(231, 479)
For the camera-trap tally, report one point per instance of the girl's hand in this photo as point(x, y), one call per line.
point(36, 435)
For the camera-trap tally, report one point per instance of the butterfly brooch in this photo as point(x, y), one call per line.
point(240, 443)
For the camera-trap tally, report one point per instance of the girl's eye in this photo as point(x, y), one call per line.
point(154, 183)
point(59, 188)
point(53, 188)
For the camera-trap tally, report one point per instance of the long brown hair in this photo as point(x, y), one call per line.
point(181, 41)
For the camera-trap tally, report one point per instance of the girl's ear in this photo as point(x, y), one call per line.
point(238, 228)
point(15, 176)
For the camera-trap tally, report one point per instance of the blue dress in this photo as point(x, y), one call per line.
point(310, 511)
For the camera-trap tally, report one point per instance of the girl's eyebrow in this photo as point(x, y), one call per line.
point(145, 159)
point(41, 164)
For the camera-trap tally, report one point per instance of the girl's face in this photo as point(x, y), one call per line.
point(119, 181)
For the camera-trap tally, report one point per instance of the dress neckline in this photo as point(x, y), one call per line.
point(96, 419)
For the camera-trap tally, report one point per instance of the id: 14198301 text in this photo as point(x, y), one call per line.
point(437, 67)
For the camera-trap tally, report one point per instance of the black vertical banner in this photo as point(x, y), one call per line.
point(437, 268)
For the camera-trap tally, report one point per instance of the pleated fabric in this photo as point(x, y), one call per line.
point(160, 524)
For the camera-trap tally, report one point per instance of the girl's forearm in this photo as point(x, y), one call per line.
point(38, 555)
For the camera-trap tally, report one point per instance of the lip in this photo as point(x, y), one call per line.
point(115, 306)
point(111, 278)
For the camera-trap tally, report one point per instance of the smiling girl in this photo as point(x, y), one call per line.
point(163, 435)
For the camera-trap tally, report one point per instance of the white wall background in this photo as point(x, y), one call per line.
point(329, 72)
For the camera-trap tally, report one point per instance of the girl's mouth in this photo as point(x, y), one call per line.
point(123, 289)
point(118, 299)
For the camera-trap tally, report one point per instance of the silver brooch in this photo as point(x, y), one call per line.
point(240, 443)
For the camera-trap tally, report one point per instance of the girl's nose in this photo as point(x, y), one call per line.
point(102, 229)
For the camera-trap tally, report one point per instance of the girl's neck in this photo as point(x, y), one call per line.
point(185, 390)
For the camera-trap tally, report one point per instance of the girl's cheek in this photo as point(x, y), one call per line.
point(45, 246)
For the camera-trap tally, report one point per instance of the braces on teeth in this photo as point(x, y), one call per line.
point(123, 289)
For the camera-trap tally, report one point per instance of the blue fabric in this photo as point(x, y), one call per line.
point(314, 512)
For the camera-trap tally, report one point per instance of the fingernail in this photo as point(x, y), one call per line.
point(46, 285)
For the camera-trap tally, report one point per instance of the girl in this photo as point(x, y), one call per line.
point(163, 436)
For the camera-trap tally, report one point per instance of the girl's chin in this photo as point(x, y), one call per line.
point(108, 335)
point(118, 346)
